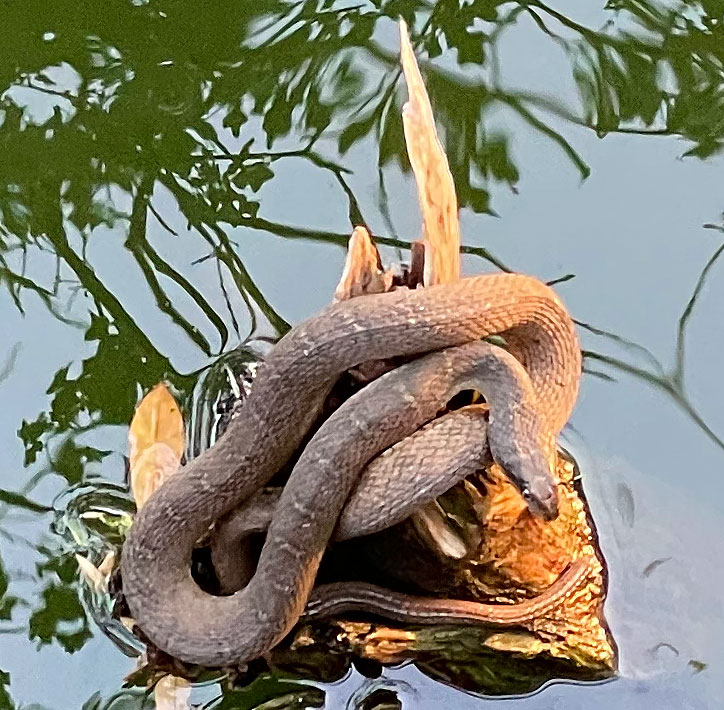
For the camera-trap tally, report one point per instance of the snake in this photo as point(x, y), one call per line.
point(341, 597)
point(286, 399)
point(392, 486)
point(414, 471)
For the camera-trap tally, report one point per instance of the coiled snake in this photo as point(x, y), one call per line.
point(286, 399)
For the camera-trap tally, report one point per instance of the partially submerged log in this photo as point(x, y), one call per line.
point(479, 542)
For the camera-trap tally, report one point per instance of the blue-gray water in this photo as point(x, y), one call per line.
point(118, 124)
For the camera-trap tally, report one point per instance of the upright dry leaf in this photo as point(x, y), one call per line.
point(435, 185)
point(362, 268)
point(97, 577)
point(157, 442)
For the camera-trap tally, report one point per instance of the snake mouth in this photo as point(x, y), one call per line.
point(532, 477)
point(543, 504)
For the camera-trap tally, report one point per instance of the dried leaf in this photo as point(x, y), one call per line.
point(172, 693)
point(430, 521)
point(435, 185)
point(91, 573)
point(109, 562)
point(362, 268)
point(128, 623)
point(157, 442)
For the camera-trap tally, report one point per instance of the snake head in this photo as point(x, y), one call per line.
point(541, 499)
point(531, 475)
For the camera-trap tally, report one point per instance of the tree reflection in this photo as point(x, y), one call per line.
point(5, 698)
point(117, 106)
point(670, 382)
point(106, 113)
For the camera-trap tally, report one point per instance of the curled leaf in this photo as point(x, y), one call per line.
point(157, 442)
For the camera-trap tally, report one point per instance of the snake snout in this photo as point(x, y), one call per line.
point(542, 503)
point(531, 475)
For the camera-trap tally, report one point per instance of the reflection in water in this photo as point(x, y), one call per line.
point(129, 123)
point(653, 372)
point(376, 695)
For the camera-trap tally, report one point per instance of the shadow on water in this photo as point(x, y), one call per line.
point(176, 118)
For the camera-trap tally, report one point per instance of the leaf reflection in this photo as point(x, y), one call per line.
point(670, 382)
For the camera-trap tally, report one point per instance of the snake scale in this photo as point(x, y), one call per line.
point(285, 401)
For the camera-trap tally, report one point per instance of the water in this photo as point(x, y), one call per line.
point(137, 246)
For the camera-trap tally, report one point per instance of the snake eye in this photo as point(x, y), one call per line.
point(525, 492)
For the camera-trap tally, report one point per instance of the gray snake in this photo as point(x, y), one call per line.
point(286, 399)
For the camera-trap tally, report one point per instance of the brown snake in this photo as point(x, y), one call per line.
point(390, 488)
point(341, 597)
point(285, 400)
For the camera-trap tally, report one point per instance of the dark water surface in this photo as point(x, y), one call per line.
point(175, 176)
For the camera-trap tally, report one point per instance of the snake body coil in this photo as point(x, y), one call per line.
point(286, 399)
